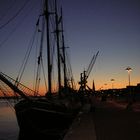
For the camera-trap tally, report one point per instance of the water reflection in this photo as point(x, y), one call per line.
point(9, 129)
point(8, 124)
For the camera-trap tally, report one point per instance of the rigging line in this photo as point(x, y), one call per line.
point(53, 79)
point(4, 88)
point(3, 91)
point(70, 69)
point(53, 51)
point(53, 56)
point(13, 17)
point(53, 41)
point(35, 71)
point(52, 20)
point(15, 28)
point(35, 65)
point(25, 60)
point(37, 40)
point(40, 64)
point(39, 58)
point(7, 10)
point(44, 74)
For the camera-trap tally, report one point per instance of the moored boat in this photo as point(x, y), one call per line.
point(50, 115)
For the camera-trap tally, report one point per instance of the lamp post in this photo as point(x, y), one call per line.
point(105, 86)
point(112, 80)
point(128, 69)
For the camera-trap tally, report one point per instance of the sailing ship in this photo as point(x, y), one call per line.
point(51, 115)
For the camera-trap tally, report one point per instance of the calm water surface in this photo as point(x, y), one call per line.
point(9, 129)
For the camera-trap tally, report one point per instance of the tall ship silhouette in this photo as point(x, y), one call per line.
point(50, 115)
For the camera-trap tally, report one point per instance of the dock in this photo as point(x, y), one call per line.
point(110, 120)
point(83, 126)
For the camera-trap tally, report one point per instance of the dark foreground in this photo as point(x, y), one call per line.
point(109, 120)
point(115, 122)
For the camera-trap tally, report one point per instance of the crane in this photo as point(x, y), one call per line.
point(84, 76)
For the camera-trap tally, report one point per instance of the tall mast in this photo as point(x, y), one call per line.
point(47, 14)
point(58, 47)
point(63, 49)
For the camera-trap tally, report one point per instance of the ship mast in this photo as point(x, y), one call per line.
point(63, 50)
point(47, 15)
point(57, 31)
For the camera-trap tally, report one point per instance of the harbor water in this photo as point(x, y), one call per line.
point(9, 129)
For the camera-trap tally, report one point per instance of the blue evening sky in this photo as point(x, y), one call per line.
point(111, 27)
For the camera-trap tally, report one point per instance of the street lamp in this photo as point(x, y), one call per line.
point(105, 86)
point(128, 69)
point(112, 80)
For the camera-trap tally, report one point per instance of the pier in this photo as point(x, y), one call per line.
point(110, 120)
point(83, 126)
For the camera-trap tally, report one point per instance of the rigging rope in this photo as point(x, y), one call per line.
point(70, 71)
point(44, 75)
point(25, 60)
point(39, 58)
point(4, 92)
point(7, 10)
point(16, 27)
point(13, 17)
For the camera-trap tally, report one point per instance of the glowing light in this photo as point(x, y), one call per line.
point(112, 80)
point(128, 69)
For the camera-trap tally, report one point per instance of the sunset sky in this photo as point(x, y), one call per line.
point(111, 27)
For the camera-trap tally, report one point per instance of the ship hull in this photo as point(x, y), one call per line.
point(45, 119)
